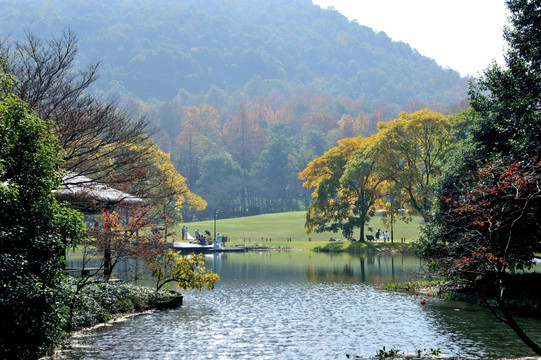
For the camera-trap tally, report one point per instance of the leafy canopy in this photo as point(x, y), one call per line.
point(345, 188)
point(411, 150)
point(488, 203)
point(34, 231)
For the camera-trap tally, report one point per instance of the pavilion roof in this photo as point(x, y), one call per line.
point(88, 195)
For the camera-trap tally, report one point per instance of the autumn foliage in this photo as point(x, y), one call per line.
point(187, 272)
point(495, 224)
point(394, 169)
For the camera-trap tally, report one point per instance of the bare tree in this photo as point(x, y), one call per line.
point(96, 136)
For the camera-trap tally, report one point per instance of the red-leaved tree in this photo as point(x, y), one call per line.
point(496, 229)
point(118, 234)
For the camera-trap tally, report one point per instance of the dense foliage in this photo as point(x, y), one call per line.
point(103, 302)
point(488, 210)
point(345, 189)
point(35, 231)
point(412, 149)
point(397, 165)
point(187, 272)
point(507, 99)
point(158, 49)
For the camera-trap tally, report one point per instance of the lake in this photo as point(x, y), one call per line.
point(305, 305)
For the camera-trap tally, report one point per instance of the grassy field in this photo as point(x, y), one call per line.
point(277, 229)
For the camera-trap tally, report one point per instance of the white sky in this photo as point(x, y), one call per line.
point(465, 35)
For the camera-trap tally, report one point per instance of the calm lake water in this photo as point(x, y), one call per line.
point(305, 305)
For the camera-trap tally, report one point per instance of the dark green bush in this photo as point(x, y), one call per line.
point(98, 303)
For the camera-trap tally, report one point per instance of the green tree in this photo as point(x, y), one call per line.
point(272, 169)
point(35, 230)
point(221, 182)
point(507, 99)
point(314, 141)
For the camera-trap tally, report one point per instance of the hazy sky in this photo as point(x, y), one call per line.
point(465, 35)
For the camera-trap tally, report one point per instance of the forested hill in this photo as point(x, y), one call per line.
point(158, 49)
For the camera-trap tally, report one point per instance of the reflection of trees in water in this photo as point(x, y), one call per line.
point(129, 270)
point(366, 268)
point(291, 267)
point(345, 274)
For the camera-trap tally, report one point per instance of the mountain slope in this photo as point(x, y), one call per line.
point(157, 49)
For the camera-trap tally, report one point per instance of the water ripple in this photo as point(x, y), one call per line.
point(292, 319)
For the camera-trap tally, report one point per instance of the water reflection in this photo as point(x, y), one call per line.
point(314, 267)
point(370, 269)
point(272, 305)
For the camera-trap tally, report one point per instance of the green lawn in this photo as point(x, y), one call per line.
point(276, 229)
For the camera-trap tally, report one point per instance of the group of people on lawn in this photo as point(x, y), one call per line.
point(379, 235)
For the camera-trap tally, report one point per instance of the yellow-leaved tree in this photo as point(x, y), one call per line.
point(139, 228)
point(165, 189)
point(410, 150)
point(345, 188)
point(187, 272)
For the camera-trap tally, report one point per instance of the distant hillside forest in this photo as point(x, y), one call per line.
point(242, 93)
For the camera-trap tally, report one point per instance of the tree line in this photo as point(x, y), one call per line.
point(244, 158)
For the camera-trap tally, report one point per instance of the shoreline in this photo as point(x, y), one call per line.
point(335, 247)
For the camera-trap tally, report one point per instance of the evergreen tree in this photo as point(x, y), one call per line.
point(507, 99)
point(34, 231)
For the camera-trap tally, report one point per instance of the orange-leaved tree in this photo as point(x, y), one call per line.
point(197, 122)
